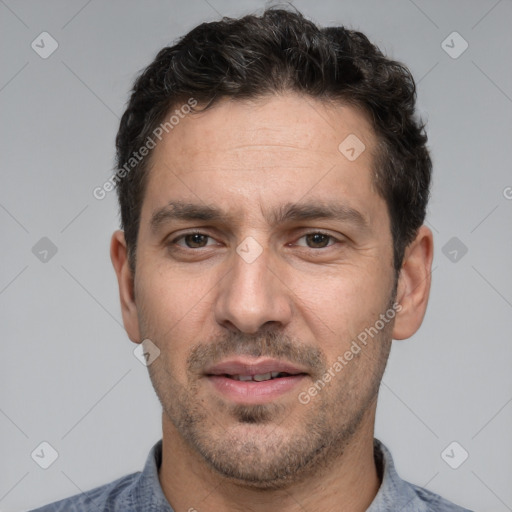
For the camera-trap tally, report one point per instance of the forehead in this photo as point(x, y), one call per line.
point(290, 123)
point(266, 151)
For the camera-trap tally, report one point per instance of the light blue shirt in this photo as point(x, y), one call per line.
point(141, 491)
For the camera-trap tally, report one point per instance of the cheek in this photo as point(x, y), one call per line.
point(165, 304)
point(173, 307)
point(170, 285)
point(339, 305)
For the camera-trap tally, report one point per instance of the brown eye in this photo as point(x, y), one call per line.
point(317, 240)
point(192, 241)
point(195, 240)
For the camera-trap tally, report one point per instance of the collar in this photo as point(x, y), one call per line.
point(394, 493)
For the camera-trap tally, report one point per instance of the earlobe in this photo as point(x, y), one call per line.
point(119, 257)
point(414, 284)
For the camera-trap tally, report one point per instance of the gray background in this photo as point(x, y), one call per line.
point(68, 373)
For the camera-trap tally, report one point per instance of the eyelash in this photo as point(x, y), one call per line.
point(182, 236)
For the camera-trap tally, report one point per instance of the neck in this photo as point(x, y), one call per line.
point(348, 484)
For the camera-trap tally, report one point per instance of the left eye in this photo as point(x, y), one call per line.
point(318, 240)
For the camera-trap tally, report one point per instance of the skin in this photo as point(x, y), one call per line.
point(303, 300)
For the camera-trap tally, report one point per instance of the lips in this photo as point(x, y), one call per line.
point(257, 370)
point(254, 381)
point(260, 377)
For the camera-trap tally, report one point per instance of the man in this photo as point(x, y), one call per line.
point(273, 182)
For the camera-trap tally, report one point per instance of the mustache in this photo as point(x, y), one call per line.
point(267, 344)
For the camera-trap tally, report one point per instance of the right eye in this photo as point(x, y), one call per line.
point(194, 240)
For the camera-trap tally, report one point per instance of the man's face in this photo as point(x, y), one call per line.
point(257, 291)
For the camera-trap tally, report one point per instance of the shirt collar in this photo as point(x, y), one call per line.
point(394, 493)
point(148, 489)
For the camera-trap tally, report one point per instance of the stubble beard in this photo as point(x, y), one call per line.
point(255, 453)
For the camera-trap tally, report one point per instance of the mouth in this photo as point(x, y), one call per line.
point(246, 381)
point(259, 377)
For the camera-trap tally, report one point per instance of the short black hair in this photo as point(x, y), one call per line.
point(278, 52)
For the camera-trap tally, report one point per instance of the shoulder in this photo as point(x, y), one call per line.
point(434, 502)
point(112, 497)
point(398, 494)
point(134, 492)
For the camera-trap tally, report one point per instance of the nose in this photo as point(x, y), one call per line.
point(253, 294)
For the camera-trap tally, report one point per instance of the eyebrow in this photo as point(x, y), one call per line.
point(289, 212)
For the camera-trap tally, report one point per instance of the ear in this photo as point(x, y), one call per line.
point(414, 284)
point(119, 257)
